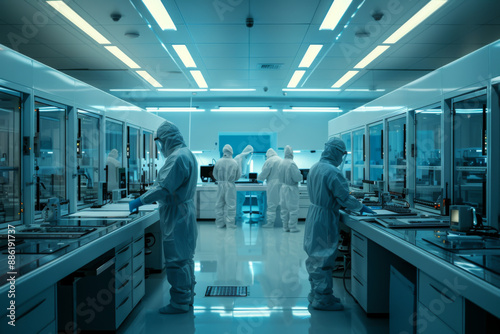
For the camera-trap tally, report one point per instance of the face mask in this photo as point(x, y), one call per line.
point(159, 145)
point(344, 157)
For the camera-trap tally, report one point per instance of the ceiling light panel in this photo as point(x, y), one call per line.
point(174, 109)
point(149, 78)
point(310, 55)
point(335, 13)
point(348, 76)
point(122, 56)
point(313, 109)
point(183, 53)
point(160, 14)
point(200, 80)
point(372, 56)
point(243, 109)
point(232, 89)
point(311, 90)
point(182, 90)
point(77, 20)
point(294, 81)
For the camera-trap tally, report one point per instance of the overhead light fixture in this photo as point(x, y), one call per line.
point(174, 109)
point(415, 20)
point(296, 151)
point(197, 152)
point(184, 54)
point(371, 56)
point(125, 108)
point(348, 76)
point(363, 90)
point(243, 109)
point(122, 56)
point(160, 14)
point(77, 20)
point(313, 109)
point(182, 89)
point(232, 89)
point(310, 55)
point(129, 90)
point(149, 78)
point(335, 13)
point(200, 80)
point(294, 81)
point(311, 90)
point(378, 108)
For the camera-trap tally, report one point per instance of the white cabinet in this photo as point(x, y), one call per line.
point(205, 202)
point(138, 279)
point(304, 202)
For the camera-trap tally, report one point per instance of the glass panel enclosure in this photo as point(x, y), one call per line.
point(376, 152)
point(133, 160)
point(396, 131)
point(358, 157)
point(346, 137)
point(114, 154)
point(470, 152)
point(88, 158)
point(10, 156)
point(50, 153)
point(147, 163)
point(428, 155)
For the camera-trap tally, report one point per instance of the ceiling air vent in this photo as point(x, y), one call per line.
point(271, 66)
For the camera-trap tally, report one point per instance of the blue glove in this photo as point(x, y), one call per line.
point(134, 205)
point(366, 209)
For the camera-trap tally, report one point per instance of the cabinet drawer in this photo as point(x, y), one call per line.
point(359, 241)
point(122, 256)
point(123, 310)
point(138, 260)
point(441, 301)
point(138, 292)
point(359, 290)
point(50, 329)
point(138, 274)
point(123, 274)
point(428, 323)
point(359, 263)
point(123, 292)
point(138, 245)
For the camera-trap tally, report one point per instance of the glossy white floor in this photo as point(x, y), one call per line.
point(271, 263)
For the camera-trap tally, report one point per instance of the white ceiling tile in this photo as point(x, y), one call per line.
point(278, 33)
point(227, 50)
point(219, 34)
point(274, 50)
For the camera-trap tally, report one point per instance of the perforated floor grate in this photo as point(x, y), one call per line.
point(226, 291)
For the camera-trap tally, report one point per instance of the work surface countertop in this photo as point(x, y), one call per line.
point(471, 263)
point(250, 186)
point(61, 257)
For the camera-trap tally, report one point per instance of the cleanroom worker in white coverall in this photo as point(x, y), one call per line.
point(290, 176)
point(226, 171)
point(174, 190)
point(243, 160)
point(328, 191)
point(270, 173)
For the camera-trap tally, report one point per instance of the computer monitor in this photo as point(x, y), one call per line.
point(304, 173)
point(252, 177)
point(206, 173)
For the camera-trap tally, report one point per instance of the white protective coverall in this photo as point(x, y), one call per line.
point(174, 190)
point(328, 191)
point(242, 160)
point(112, 164)
point(271, 174)
point(226, 171)
point(290, 176)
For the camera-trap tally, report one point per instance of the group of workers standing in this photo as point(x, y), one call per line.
point(175, 189)
point(282, 176)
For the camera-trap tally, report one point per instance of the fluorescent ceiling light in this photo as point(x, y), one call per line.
point(363, 90)
point(371, 56)
point(243, 109)
point(377, 108)
point(313, 109)
point(122, 56)
point(149, 78)
point(197, 152)
point(311, 90)
point(182, 89)
point(129, 90)
point(294, 81)
point(335, 13)
point(125, 108)
point(174, 109)
point(232, 89)
point(296, 151)
point(415, 20)
point(311, 53)
point(184, 54)
point(348, 76)
point(160, 14)
point(77, 20)
point(200, 80)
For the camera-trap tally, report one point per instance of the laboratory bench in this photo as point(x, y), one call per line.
point(57, 270)
point(427, 279)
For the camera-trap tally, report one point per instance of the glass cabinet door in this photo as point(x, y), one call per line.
point(147, 163)
point(50, 153)
point(376, 152)
point(133, 160)
point(10, 156)
point(470, 152)
point(396, 135)
point(428, 155)
point(358, 157)
point(346, 137)
point(88, 142)
point(114, 154)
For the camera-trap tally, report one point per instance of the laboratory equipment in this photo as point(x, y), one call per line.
point(252, 177)
point(304, 173)
point(206, 173)
point(396, 179)
point(462, 217)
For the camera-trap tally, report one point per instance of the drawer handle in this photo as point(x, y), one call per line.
point(138, 284)
point(357, 236)
point(123, 302)
point(358, 280)
point(139, 239)
point(124, 266)
point(124, 250)
point(138, 254)
point(357, 253)
point(138, 269)
point(31, 309)
point(441, 293)
point(126, 282)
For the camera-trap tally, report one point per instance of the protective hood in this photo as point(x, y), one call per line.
point(248, 150)
point(270, 153)
point(113, 153)
point(170, 138)
point(227, 151)
point(334, 151)
point(288, 152)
